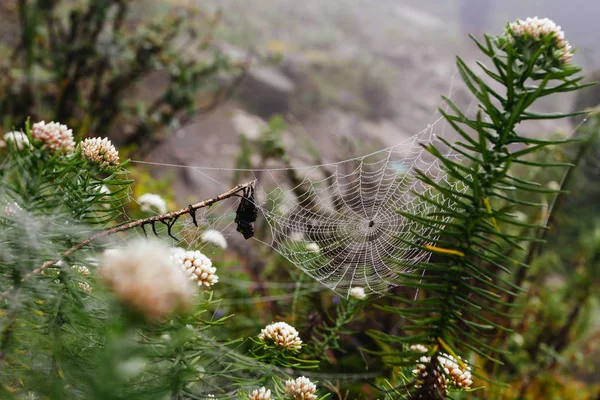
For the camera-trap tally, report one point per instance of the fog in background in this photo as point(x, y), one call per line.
point(321, 20)
point(365, 72)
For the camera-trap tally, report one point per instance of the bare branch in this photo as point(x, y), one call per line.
point(191, 209)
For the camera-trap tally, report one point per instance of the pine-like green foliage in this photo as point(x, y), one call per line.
point(64, 335)
point(466, 293)
point(327, 336)
point(67, 333)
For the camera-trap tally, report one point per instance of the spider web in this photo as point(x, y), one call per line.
point(345, 229)
point(340, 222)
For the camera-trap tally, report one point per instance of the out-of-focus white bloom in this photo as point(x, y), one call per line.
point(418, 348)
point(17, 139)
point(301, 389)
point(131, 367)
point(520, 216)
point(109, 252)
point(100, 151)
point(105, 190)
point(538, 29)
point(150, 201)
point(12, 209)
point(81, 270)
point(165, 337)
point(215, 237)
point(451, 373)
point(260, 394)
point(553, 185)
point(54, 136)
point(313, 247)
point(517, 339)
point(85, 287)
point(144, 277)
point(282, 335)
point(196, 266)
point(358, 293)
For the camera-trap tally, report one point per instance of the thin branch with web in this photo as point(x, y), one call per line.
point(341, 223)
point(168, 219)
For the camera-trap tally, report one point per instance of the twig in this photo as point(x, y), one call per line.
point(191, 209)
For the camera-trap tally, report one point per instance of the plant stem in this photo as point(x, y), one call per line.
point(131, 225)
point(345, 315)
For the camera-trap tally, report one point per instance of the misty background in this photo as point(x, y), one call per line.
point(352, 74)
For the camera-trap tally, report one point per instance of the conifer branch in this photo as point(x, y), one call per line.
point(468, 295)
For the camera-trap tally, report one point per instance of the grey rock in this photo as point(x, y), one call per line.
point(267, 91)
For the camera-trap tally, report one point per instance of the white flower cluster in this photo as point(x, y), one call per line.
point(196, 266)
point(358, 293)
point(150, 201)
point(100, 151)
point(452, 373)
point(143, 277)
point(215, 237)
point(282, 335)
point(85, 287)
point(260, 394)
point(538, 29)
point(55, 137)
point(81, 270)
point(301, 389)
point(17, 139)
point(58, 138)
point(460, 377)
